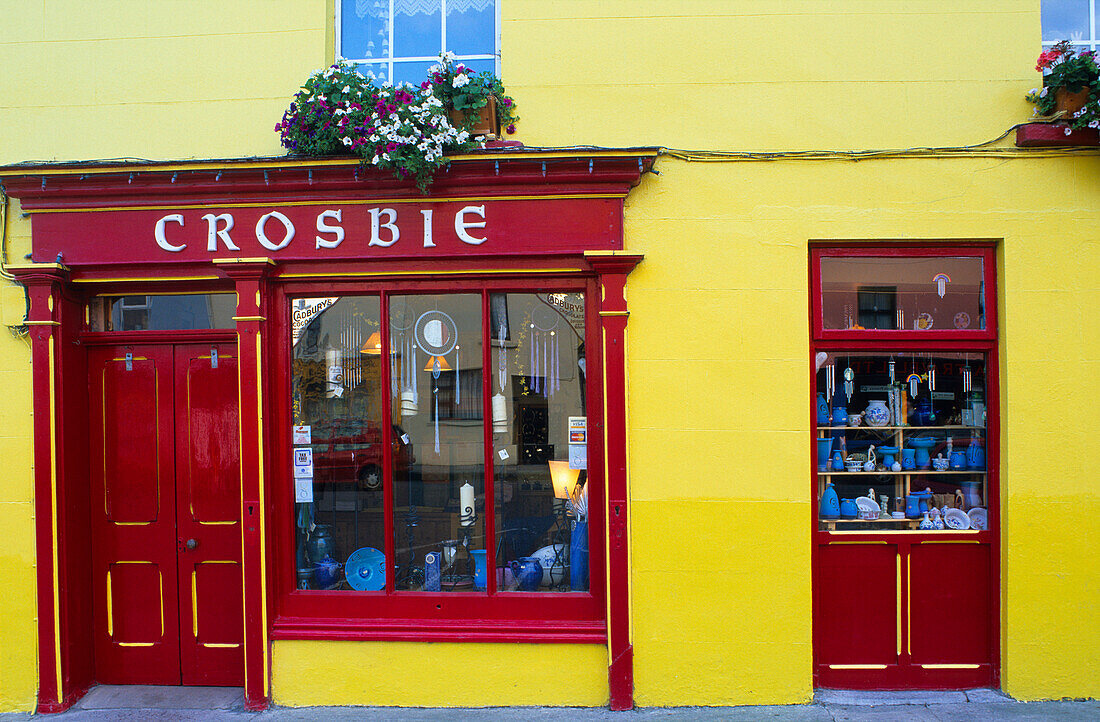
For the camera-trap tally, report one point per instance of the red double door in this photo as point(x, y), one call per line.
point(166, 514)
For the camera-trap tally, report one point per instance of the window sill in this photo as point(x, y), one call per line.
point(415, 630)
point(1053, 135)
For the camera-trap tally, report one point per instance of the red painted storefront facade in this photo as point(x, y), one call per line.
point(220, 535)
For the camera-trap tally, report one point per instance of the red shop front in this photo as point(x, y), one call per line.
point(299, 400)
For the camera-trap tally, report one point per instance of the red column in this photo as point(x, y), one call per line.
point(613, 269)
point(249, 275)
point(43, 283)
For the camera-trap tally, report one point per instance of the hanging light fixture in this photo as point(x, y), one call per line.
point(443, 365)
point(373, 345)
point(564, 479)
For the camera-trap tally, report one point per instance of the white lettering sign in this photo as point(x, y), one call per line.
point(323, 227)
point(213, 234)
point(262, 237)
point(376, 226)
point(158, 233)
point(461, 224)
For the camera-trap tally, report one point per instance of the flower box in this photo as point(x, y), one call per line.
point(485, 122)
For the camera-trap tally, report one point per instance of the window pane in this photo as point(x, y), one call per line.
point(378, 72)
point(538, 397)
point(337, 410)
point(439, 479)
point(413, 72)
point(471, 27)
point(162, 313)
point(923, 417)
point(924, 293)
point(1065, 20)
point(364, 28)
point(417, 28)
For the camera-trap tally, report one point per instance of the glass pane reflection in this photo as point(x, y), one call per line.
point(337, 412)
point(436, 401)
point(537, 375)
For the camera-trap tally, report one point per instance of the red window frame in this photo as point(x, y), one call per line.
point(417, 616)
point(984, 251)
point(908, 673)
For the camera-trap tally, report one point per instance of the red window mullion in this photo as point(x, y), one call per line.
point(487, 438)
point(387, 443)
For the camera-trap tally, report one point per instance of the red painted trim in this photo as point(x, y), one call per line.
point(419, 630)
point(1053, 135)
point(613, 317)
point(250, 285)
point(487, 445)
point(390, 544)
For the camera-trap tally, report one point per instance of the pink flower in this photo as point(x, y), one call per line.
point(511, 128)
point(391, 147)
point(507, 102)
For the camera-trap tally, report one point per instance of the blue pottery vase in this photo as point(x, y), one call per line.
point(912, 507)
point(824, 447)
point(908, 459)
point(838, 461)
point(840, 416)
point(578, 557)
point(848, 509)
point(829, 506)
point(975, 455)
point(320, 544)
point(958, 460)
point(528, 573)
point(822, 410)
point(478, 555)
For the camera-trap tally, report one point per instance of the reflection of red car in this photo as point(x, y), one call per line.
point(350, 450)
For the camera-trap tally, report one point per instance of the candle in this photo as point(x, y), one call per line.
point(466, 505)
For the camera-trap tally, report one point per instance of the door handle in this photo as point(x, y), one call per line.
point(192, 543)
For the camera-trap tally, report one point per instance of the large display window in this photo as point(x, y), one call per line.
point(904, 466)
point(437, 449)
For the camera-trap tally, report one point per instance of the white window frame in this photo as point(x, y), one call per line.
point(389, 60)
point(1089, 43)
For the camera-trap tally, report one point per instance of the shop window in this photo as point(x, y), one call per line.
point(398, 40)
point(1073, 20)
point(400, 504)
point(877, 307)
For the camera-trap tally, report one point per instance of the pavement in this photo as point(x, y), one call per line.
point(202, 704)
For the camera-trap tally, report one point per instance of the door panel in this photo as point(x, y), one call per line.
point(133, 521)
point(165, 470)
point(856, 621)
point(208, 484)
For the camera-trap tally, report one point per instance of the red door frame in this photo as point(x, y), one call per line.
point(977, 340)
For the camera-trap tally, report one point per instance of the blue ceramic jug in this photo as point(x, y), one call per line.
point(975, 455)
point(320, 544)
point(848, 509)
point(829, 506)
point(325, 573)
point(528, 573)
point(912, 506)
point(958, 460)
point(822, 410)
point(838, 461)
point(908, 459)
point(840, 416)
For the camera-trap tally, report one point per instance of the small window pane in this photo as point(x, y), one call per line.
point(412, 72)
point(923, 293)
point(337, 411)
point(162, 313)
point(538, 399)
point(471, 27)
point(378, 72)
point(439, 478)
point(1065, 20)
point(417, 28)
point(364, 28)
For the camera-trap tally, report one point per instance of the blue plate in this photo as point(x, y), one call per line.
point(365, 570)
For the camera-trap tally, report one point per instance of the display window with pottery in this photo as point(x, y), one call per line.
point(440, 448)
point(903, 356)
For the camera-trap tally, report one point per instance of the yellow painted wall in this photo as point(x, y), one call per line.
point(720, 492)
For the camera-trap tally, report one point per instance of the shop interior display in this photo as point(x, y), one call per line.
point(901, 444)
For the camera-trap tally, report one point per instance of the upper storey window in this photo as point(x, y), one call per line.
point(398, 40)
point(1073, 20)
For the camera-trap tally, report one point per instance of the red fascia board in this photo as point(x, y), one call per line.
point(1053, 135)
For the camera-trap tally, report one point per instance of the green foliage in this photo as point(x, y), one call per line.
point(1066, 68)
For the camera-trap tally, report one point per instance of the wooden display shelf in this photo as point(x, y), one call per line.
point(830, 524)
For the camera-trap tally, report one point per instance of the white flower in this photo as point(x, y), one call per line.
point(459, 81)
point(347, 89)
point(1033, 91)
point(346, 141)
point(1043, 93)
